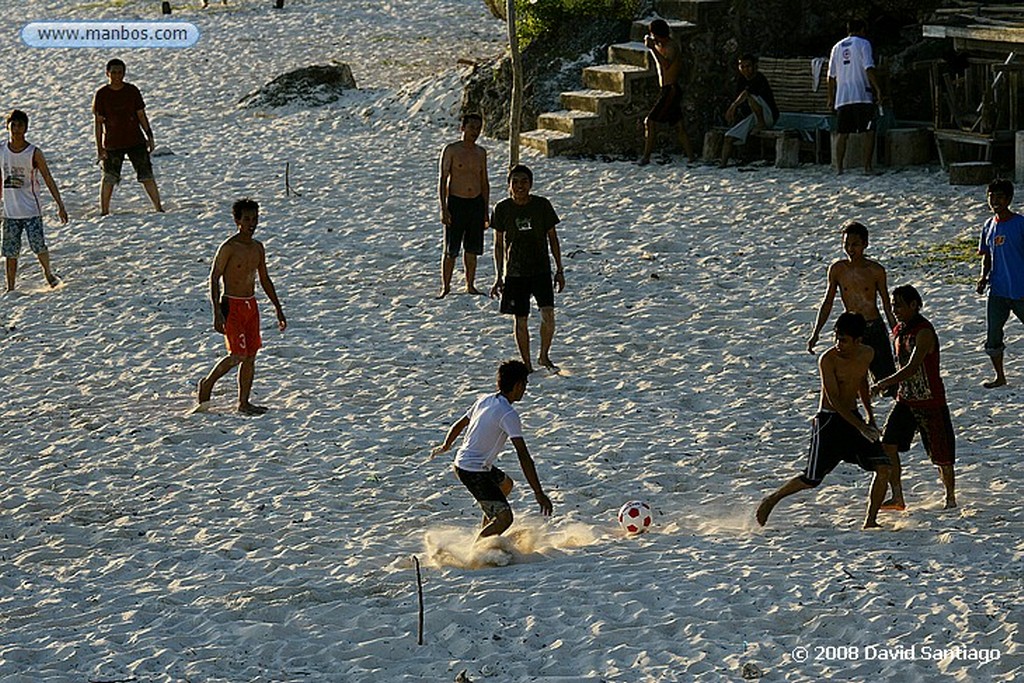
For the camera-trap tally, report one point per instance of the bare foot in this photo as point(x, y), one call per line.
point(893, 505)
point(470, 289)
point(546, 362)
point(52, 280)
point(872, 525)
point(252, 409)
point(950, 504)
point(763, 510)
point(997, 382)
point(443, 293)
point(203, 391)
point(643, 161)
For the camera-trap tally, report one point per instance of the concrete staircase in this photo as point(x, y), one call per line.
point(605, 117)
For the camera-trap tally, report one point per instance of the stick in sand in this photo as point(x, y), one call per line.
point(419, 592)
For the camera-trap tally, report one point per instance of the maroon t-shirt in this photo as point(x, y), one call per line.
point(119, 109)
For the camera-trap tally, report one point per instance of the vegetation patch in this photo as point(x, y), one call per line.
point(955, 261)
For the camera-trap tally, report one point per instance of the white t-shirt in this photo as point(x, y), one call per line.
point(848, 64)
point(21, 182)
point(492, 420)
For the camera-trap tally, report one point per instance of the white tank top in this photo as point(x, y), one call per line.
point(21, 182)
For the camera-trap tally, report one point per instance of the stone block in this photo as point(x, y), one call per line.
point(712, 145)
point(787, 152)
point(907, 146)
point(972, 173)
point(854, 151)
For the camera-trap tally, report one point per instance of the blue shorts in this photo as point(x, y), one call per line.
point(11, 237)
point(997, 313)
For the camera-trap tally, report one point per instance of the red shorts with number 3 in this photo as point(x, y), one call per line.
point(241, 326)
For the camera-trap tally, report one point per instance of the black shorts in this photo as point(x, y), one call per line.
point(138, 155)
point(515, 294)
point(876, 335)
point(834, 440)
point(467, 226)
point(855, 118)
point(668, 108)
point(934, 424)
point(486, 488)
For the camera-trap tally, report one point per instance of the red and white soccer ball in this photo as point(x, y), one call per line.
point(636, 517)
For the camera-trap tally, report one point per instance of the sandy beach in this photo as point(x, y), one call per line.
point(139, 542)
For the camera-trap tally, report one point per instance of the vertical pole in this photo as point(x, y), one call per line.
point(419, 592)
point(1019, 155)
point(516, 106)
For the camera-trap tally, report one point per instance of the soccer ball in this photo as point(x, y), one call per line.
point(635, 517)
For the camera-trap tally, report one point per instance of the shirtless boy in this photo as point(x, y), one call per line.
point(464, 192)
point(860, 282)
point(920, 405)
point(238, 261)
point(668, 109)
point(839, 432)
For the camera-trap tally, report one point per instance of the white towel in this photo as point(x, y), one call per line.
point(816, 65)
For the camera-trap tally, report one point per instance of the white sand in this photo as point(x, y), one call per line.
point(138, 543)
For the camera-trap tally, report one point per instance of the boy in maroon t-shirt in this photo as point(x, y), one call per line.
point(121, 121)
point(920, 405)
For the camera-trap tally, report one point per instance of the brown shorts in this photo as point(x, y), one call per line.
point(932, 422)
point(668, 108)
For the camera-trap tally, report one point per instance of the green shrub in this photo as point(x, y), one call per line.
point(534, 17)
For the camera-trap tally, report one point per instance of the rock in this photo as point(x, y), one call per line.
point(312, 86)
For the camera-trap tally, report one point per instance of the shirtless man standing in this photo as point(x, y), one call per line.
point(238, 261)
point(464, 192)
point(668, 109)
point(839, 432)
point(860, 282)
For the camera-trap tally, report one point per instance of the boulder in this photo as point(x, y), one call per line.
point(310, 86)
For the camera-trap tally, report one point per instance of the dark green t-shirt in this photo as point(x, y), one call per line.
point(525, 230)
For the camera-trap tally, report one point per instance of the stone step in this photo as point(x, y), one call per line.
point(567, 121)
point(635, 53)
point(614, 77)
point(679, 28)
point(548, 142)
point(590, 100)
point(697, 11)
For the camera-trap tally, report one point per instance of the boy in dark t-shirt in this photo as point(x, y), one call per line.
point(524, 228)
point(921, 402)
point(122, 129)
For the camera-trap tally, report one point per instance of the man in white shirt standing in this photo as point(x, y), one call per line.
point(491, 421)
point(853, 92)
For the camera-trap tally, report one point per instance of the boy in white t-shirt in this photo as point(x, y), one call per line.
point(22, 164)
point(491, 421)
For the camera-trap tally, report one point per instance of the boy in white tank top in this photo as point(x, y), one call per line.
point(21, 166)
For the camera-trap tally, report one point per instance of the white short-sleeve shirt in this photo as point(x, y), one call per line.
point(850, 59)
point(492, 421)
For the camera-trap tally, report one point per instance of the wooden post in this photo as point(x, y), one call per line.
point(1019, 155)
point(165, 8)
point(516, 105)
